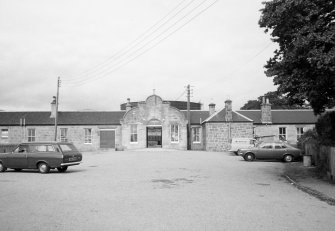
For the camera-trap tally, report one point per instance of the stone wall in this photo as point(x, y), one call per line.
point(291, 131)
point(218, 135)
point(154, 112)
point(75, 134)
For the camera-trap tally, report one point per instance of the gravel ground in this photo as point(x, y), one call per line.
point(165, 190)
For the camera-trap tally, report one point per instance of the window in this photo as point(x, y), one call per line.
point(300, 132)
point(31, 135)
point(174, 133)
point(266, 146)
point(4, 133)
point(196, 135)
point(282, 133)
point(63, 135)
point(133, 133)
point(88, 135)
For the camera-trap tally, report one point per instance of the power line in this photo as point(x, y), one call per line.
point(103, 74)
point(138, 40)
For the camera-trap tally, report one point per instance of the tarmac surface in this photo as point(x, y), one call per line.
point(161, 190)
point(308, 180)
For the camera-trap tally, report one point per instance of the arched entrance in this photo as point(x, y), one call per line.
point(154, 134)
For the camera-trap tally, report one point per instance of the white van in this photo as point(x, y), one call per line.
point(237, 143)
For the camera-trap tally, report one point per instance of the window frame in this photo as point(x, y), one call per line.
point(88, 138)
point(31, 137)
point(133, 133)
point(4, 131)
point(282, 133)
point(63, 138)
point(196, 133)
point(174, 135)
point(300, 132)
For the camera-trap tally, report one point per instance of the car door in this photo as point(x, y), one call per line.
point(264, 151)
point(279, 151)
point(18, 158)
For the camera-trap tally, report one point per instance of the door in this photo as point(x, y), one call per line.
point(18, 158)
point(154, 137)
point(107, 138)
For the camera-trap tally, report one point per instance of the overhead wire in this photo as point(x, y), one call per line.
point(84, 81)
point(148, 32)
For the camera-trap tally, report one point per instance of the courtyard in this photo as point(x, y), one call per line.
point(159, 189)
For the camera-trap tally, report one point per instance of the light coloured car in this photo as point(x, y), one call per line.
point(276, 150)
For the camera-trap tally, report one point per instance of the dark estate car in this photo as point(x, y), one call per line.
point(42, 156)
point(278, 150)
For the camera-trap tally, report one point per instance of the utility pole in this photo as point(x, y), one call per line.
point(56, 115)
point(188, 118)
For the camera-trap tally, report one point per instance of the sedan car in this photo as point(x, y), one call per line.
point(280, 151)
point(42, 156)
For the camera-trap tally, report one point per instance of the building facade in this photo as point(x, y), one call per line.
point(154, 123)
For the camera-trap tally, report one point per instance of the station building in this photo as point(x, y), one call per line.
point(155, 123)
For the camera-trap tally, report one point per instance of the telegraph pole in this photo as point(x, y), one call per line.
point(56, 115)
point(188, 118)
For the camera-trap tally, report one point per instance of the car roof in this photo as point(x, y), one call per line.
point(45, 142)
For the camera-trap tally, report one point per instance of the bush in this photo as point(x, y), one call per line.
point(310, 135)
point(325, 127)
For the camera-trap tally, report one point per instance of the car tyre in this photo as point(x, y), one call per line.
point(62, 169)
point(43, 168)
point(2, 167)
point(288, 158)
point(249, 157)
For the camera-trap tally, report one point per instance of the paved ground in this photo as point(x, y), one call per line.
point(160, 191)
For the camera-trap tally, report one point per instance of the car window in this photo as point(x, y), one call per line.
point(67, 147)
point(51, 148)
point(266, 146)
point(277, 146)
point(21, 149)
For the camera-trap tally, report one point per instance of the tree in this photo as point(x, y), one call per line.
point(277, 100)
point(303, 66)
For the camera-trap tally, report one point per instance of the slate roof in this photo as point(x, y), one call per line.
point(197, 117)
point(220, 117)
point(64, 118)
point(283, 116)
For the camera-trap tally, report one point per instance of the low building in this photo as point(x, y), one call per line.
point(154, 123)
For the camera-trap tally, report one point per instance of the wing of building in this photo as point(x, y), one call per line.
point(155, 123)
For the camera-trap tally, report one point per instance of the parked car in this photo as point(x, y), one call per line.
point(239, 143)
point(279, 150)
point(42, 156)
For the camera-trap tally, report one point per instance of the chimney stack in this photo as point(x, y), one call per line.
point(229, 111)
point(211, 108)
point(266, 117)
point(53, 108)
point(128, 105)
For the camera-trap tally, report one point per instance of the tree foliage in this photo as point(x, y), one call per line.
point(277, 100)
point(303, 66)
point(325, 128)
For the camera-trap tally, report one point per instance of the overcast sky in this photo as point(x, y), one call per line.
point(106, 51)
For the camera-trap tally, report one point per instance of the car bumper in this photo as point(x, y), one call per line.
point(70, 164)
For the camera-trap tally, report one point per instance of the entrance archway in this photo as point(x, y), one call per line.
point(154, 134)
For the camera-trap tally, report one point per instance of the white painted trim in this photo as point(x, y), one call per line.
point(243, 116)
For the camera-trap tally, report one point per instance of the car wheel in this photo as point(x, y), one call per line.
point(2, 167)
point(43, 168)
point(17, 169)
point(249, 157)
point(288, 158)
point(62, 169)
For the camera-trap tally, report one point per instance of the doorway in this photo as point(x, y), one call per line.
point(107, 138)
point(154, 137)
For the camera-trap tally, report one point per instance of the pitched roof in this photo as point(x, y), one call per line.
point(197, 117)
point(219, 116)
point(283, 116)
point(64, 118)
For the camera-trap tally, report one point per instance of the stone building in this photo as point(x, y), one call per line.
point(154, 123)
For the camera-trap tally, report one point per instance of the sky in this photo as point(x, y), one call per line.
point(106, 51)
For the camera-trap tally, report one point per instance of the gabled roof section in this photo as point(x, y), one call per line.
point(64, 118)
point(283, 116)
point(219, 116)
point(197, 117)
